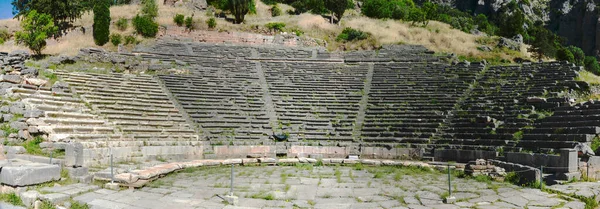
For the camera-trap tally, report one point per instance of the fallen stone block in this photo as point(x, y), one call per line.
point(127, 178)
point(29, 174)
point(232, 161)
point(289, 160)
point(29, 197)
point(55, 198)
point(75, 172)
point(11, 78)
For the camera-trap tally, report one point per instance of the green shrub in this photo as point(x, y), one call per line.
point(591, 64)
point(145, 26)
point(518, 135)
point(149, 8)
point(350, 34)
point(32, 146)
point(512, 177)
point(212, 23)
point(130, 40)
point(115, 39)
point(418, 16)
point(578, 55)
point(101, 22)
point(189, 23)
point(564, 54)
point(275, 26)
point(397, 9)
point(36, 28)
point(275, 11)
point(122, 24)
point(4, 36)
point(179, 19)
point(314, 6)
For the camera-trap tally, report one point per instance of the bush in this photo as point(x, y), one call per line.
point(418, 16)
point(130, 40)
point(275, 26)
point(115, 39)
point(564, 54)
point(591, 64)
point(4, 36)
point(397, 9)
point(179, 19)
point(189, 23)
point(578, 55)
point(101, 25)
point(149, 8)
point(122, 24)
point(145, 26)
point(314, 6)
point(350, 34)
point(212, 22)
point(36, 28)
point(275, 11)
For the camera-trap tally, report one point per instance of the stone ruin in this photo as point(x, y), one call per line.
point(400, 102)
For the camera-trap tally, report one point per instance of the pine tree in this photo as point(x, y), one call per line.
point(101, 22)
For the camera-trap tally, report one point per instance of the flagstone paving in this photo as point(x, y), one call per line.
point(322, 187)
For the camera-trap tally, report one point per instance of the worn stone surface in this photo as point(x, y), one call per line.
point(29, 174)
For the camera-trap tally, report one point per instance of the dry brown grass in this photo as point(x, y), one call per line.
point(436, 36)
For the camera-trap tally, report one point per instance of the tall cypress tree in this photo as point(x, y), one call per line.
point(101, 22)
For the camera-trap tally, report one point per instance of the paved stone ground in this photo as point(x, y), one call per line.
point(322, 187)
point(584, 189)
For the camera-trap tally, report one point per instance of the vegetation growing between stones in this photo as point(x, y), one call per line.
point(11, 198)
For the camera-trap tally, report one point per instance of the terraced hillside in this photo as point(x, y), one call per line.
point(400, 96)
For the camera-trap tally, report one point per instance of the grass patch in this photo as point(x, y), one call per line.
point(47, 205)
point(11, 198)
point(78, 205)
point(32, 146)
point(263, 195)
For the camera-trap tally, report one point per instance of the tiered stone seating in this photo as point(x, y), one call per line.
point(398, 53)
point(496, 112)
point(409, 102)
point(136, 105)
point(224, 98)
point(316, 101)
point(66, 117)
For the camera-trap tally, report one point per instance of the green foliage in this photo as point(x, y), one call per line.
point(61, 11)
point(4, 36)
point(36, 28)
point(430, 10)
point(275, 10)
point(189, 23)
point(543, 42)
point(417, 16)
point(122, 24)
point(149, 8)
point(145, 26)
point(101, 22)
point(47, 205)
point(578, 55)
point(78, 205)
point(337, 7)
point(314, 6)
point(595, 143)
point(129, 39)
point(518, 135)
point(239, 9)
point(563, 54)
point(511, 24)
point(115, 39)
point(212, 22)
point(591, 64)
point(512, 177)
point(11, 198)
point(179, 19)
point(351, 34)
point(396, 9)
point(275, 26)
point(484, 25)
point(270, 2)
point(33, 146)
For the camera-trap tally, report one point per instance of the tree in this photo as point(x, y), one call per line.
point(396, 9)
point(563, 54)
point(543, 43)
point(150, 8)
point(337, 7)
point(36, 29)
point(61, 11)
point(591, 64)
point(511, 25)
point(578, 55)
point(101, 25)
point(418, 16)
point(145, 26)
point(431, 10)
point(239, 8)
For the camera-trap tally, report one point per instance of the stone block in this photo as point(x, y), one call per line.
point(11, 78)
point(84, 179)
point(15, 150)
point(29, 197)
point(112, 186)
point(29, 174)
point(74, 154)
point(77, 171)
point(449, 200)
point(568, 159)
point(19, 125)
point(233, 200)
point(55, 198)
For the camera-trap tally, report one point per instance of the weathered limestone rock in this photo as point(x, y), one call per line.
point(29, 197)
point(29, 174)
point(11, 78)
point(74, 154)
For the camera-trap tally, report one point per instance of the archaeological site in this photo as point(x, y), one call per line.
point(371, 104)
